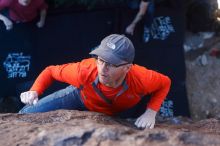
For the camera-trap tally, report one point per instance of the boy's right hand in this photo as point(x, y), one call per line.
point(29, 97)
point(8, 24)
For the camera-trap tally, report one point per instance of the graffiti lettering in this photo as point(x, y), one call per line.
point(160, 29)
point(17, 65)
point(166, 109)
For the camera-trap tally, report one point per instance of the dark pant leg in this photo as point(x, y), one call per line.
point(68, 98)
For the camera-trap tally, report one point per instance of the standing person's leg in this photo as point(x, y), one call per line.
point(68, 98)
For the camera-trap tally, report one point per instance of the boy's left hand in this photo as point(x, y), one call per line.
point(147, 119)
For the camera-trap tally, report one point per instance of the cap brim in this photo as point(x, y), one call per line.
point(107, 55)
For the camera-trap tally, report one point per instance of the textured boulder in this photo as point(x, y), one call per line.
point(203, 84)
point(75, 128)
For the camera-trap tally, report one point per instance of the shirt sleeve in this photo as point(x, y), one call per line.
point(159, 88)
point(154, 84)
point(4, 4)
point(68, 73)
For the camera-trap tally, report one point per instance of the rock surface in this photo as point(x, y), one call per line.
point(203, 80)
point(203, 86)
point(76, 128)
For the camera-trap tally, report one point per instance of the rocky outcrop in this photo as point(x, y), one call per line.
point(76, 128)
point(203, 88)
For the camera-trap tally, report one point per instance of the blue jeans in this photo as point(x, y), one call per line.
point(68, 98)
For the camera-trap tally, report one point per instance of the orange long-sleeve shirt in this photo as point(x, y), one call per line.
point(139, 81)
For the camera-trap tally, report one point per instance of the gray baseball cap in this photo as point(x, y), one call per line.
point(115, 49)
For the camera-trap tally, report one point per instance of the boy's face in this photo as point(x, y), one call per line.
point(110, 75)
point(24, 2)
